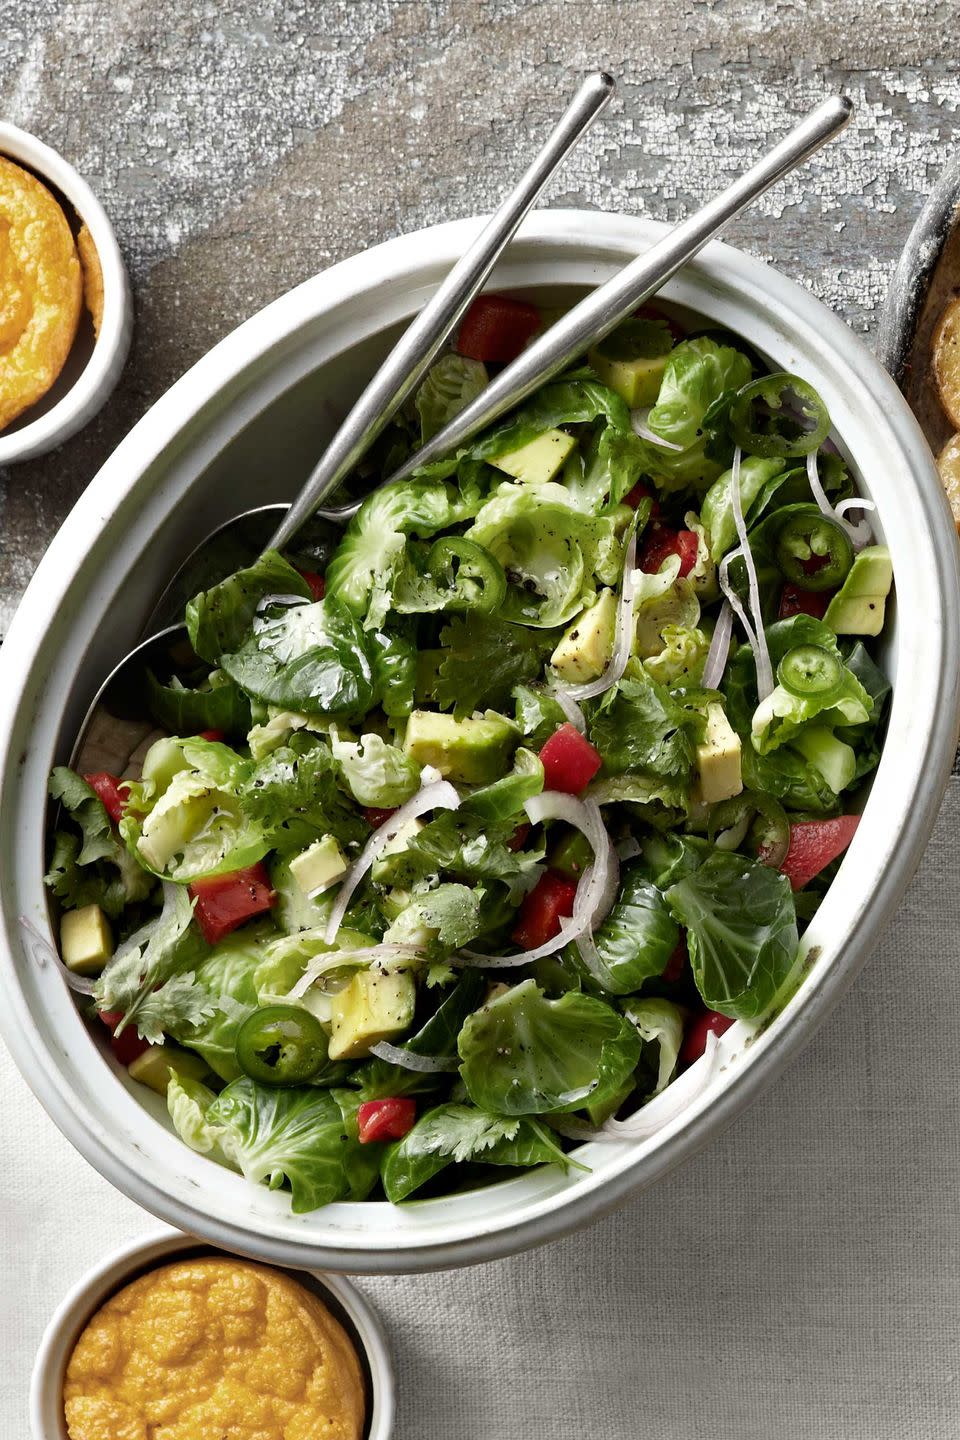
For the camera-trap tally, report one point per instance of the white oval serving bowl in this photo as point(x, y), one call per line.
point(242, 427)
point(94, 364)
point(123, 1266)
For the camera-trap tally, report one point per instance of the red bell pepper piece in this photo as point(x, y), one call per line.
point(226, 901)
point(375, 818)
point(108, 788)
point(708, 1022)
point(547, 904)
point(385, 1119)
point(660, 542)
point(497, 328)
point(813, 844)
point(569, 761)
point(210, 735)
point(317, 583)
point(795, 601)
point(127, 1046)
point(642, 492)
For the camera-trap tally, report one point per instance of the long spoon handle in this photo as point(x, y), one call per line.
point(605, 307)
point(408, 361)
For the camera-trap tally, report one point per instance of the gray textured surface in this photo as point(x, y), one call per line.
point(800, 1277)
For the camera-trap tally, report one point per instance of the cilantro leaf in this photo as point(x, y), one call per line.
point(93, 867)
point(453, 1134)
point(484, 658)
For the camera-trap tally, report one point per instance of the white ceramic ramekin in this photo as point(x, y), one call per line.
point(94, 364)
point(243, 426)
point(116, 1270)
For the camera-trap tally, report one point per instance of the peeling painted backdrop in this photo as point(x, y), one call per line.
point(239, 147)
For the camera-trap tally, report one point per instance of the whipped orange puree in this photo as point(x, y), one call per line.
point(41, 288)
point(213, 1349)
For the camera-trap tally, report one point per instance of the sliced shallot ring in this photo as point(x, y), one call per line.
point(860, 534)
point(638, 423)
point(425, 1064)
point(387, 955)
point(719, 650)
point(761, 655)
point(622, 636)
point(596, 890)
point(437, 795)
point(569, 707)
point(671, 1102)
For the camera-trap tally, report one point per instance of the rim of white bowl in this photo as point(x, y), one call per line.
point(102, 371)
point(780, 318)
point(145, 1253)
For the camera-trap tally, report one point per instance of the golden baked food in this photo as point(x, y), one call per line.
point(92, 277)
point(948, 463)
point(201, 1349)
point(40, 290)
point(946, 360)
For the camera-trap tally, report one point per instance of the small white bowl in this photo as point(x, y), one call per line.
point(348, 1305)
point(94, 364)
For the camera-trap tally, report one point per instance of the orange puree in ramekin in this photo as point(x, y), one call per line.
point(207, 1348)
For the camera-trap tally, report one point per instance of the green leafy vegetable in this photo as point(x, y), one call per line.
point(293, 797)
point(523, 1054)
point(375, 772)
point(716, 511)
point(363, 569)
point(638, 726)
point(452, 1134)
point(698, 374)
point(89, 864)
point(307, 657)
point(552, 553)
point(450, 385)
point(185, 818)
point(301, 1136)
point(483, 659)
point(637, 938)
point(659, 1024)
point(218, 619)
point(226, 978)
point(149, 981)
point(217, 705)
point(741, 932)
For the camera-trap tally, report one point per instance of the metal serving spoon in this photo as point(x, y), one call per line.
point(235, 542)
point(589, 321)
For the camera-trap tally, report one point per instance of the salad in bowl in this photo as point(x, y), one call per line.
point(462, 837)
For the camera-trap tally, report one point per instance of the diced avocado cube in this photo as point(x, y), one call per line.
point(85, 940)
point(632, 360)
point(153, 1067)
point(474, 752)
point(859, 605)
point(393, 866)
point(718, 759)
point(834, 759)
point(587, 644)
point(319, 866)
point(393, 902)
point(635, 381)
point(376, 1005)
point(539, 460)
